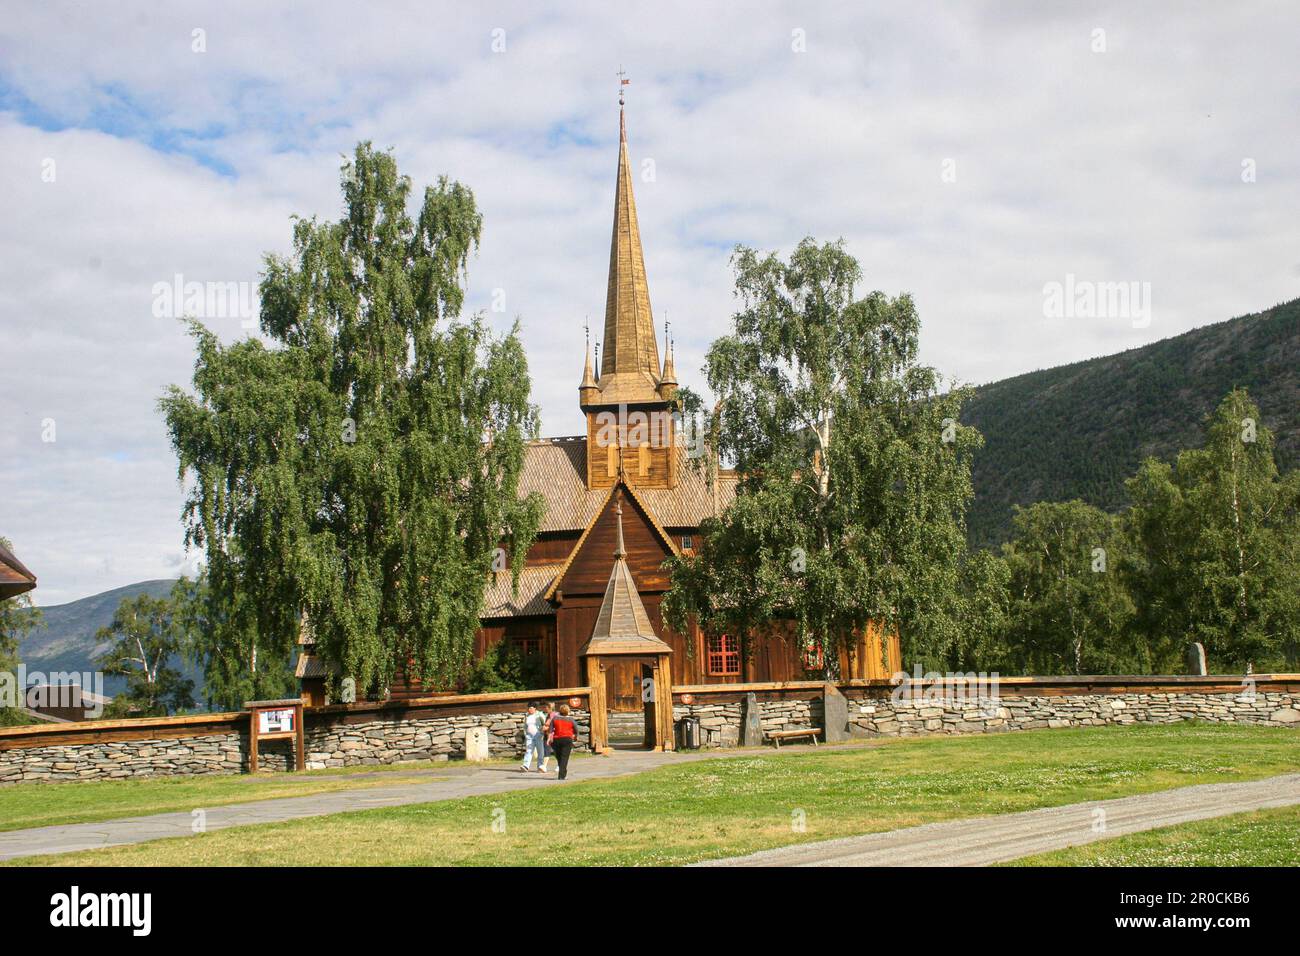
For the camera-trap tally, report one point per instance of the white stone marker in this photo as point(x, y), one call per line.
point(476, 743)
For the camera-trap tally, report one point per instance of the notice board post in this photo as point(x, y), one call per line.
point(275, 720)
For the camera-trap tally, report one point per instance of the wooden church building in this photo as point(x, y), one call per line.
point(620, 500)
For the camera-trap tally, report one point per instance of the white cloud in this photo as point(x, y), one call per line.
point(1123, 165)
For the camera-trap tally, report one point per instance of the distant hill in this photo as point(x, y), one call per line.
point(67, 642)
point(1077, 431)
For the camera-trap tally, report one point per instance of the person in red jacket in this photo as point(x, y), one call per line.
point(562, 734)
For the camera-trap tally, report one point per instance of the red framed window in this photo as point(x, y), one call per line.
point(813, 657)
point(723, 655)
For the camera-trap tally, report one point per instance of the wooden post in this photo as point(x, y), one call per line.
point(298, 722)
point(252, 741)
point(664, 703)
point(599, 712)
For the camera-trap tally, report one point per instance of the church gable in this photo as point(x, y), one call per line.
point(587, 569)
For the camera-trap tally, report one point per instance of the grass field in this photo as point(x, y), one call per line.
point(716, 808)
point(1263, 838)
point(26, 805)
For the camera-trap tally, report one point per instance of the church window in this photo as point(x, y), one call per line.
point(724, 655)
point(643, 460)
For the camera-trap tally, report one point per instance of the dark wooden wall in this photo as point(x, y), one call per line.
point(588, 573)
point(583, 588)
point(774, 657)
point(551, 547)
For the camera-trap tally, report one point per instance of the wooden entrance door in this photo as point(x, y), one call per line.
point(649, 705)
point(623, 683)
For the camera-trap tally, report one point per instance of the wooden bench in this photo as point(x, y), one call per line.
point(776, 736)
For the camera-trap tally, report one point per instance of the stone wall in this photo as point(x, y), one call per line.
point(872, 712)
point(391, 741)
point(719, 722)
point(359, 734)
point(118, 760)
point(340, 736)
point(873, 715)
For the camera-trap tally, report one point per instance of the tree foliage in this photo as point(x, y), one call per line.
point(1217, 544)
point(1069, 612)
point(854, 472)
point(503, 668)
point(361, 464)
point(146, 634)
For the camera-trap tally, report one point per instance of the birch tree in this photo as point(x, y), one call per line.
point(854, 470)
point(359, 461)
point(1070, 612)
point(1217, 546)
point(143, 641)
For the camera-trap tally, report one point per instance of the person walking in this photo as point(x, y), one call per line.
point(562, 736)
point(534, 740)
point(548, 714)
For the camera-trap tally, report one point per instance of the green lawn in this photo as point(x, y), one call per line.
point(744, 803)
point(1262, 838)
point(24, 805)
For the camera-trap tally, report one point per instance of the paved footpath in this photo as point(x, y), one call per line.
point(973, 842)
point(986, 840)
point(449, 783)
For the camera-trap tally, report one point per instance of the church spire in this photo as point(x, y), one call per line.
point(629, 367)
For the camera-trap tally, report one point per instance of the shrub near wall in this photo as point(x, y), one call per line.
point(336, 736)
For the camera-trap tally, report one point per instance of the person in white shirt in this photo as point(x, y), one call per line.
point(534, 742)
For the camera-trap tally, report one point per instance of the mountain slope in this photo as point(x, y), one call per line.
point(67, 642)
point(1077, 431)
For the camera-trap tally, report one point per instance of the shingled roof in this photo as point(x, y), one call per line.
point(622, 626)
point(556, 468)
point(14, 576)
point(500, 600)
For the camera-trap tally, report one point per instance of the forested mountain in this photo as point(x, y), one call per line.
point(1077, 431)
point(67, 640)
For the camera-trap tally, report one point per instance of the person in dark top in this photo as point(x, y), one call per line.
point(563, 733)
point(548, 714)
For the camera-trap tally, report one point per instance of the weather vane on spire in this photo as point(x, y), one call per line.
point(622, 82)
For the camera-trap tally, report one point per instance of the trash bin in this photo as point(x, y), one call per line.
point(688, 733)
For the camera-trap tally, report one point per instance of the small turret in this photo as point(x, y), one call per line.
point(668, 380)
point(589, 390)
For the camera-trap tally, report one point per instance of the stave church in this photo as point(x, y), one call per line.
point(620, 500)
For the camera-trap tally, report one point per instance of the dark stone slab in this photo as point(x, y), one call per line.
point(835, 710)
point(751, 727)
point(1196, 659)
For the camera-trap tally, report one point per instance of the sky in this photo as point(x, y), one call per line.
point(974, 156)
